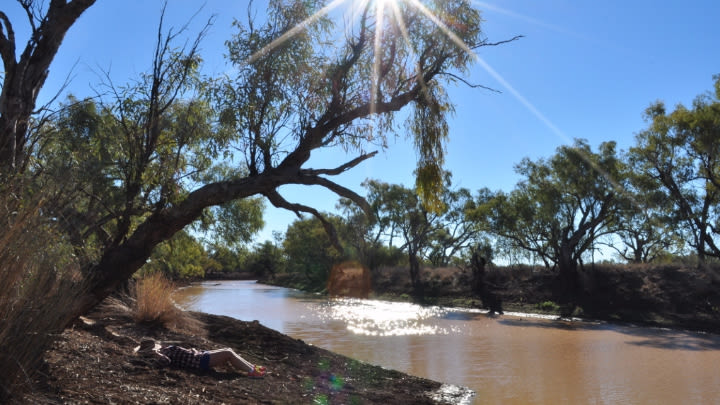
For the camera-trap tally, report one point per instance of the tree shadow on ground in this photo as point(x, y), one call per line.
point(659, 338)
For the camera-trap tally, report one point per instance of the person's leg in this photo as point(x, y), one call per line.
point(221, 356)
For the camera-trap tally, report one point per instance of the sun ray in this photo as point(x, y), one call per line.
point(519, 16)
point(432, 17)
point(379, 25)
point(550, 125)
point(527, 104)
point(295, 30)
point(406, 36)
point(381, 12)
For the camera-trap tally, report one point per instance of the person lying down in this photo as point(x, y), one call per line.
point(181, 357)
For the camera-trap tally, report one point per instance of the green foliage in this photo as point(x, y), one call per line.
point(561, 208)
point(234, 223)
point(266, 260)
point(401, 210)
point(117, 164)
point(643, 225)
point(430, 129)
point(225, 259)
point(679, 156)
point(309, 252)
point(181, 257)
point(363, 237)
point(456, 232)
point(548, 306)
point(386, 256)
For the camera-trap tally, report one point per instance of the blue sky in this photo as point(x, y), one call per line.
point(585, 69)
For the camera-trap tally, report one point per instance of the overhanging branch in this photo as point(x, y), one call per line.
point(278, 201)
point(337, 189)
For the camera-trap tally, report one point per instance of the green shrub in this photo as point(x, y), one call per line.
point(548, 306)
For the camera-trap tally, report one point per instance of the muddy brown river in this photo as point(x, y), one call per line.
point(511, 359)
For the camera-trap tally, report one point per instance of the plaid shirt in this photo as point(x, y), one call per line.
point(182, 357)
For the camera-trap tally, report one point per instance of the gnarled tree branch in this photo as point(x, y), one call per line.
point(25, 77)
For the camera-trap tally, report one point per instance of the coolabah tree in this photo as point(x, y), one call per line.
point(644, 228)
point(561, 208)
point(402, 217)
point(679, 155)
point(294, 90)
point(458, 232)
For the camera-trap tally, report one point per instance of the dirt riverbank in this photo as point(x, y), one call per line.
point(93, 363)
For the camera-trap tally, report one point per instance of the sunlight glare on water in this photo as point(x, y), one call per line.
point(383, 318)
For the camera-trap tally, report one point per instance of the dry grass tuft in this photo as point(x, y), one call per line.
point(154, 304)
point(153, 300)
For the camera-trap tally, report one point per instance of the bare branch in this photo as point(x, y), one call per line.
point(340, 169)
point(505, 41)
point(337, 189)
point(474, 86)
point(278, 201)
point(58, 93)
point(7, 42)
point(27, 6)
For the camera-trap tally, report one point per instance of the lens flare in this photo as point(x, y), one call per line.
point(294, 31)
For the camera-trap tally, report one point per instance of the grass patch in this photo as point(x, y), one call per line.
point(153, 300)
point(154, 304)
point(548, 306)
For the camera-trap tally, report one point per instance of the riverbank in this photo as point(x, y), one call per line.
point(669, 296)
point(93, 362)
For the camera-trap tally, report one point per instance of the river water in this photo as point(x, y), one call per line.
point(510, 359)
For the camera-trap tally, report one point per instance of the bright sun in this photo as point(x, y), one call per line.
point(383, 9)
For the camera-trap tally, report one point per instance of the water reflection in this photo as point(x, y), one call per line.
point(380, 318)
point(512, 359)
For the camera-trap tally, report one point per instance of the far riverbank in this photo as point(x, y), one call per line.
point(671, 296)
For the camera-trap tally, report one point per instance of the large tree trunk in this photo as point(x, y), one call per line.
point(15, 111)
point(568, 275)
point(477, 264)
point(119, 263)
point(417, 286)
